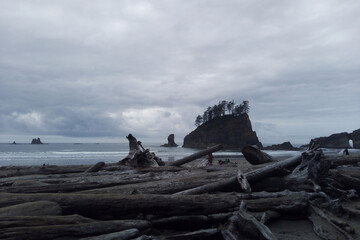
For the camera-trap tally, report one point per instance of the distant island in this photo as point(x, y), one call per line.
point(36, 141)
point(225, 123)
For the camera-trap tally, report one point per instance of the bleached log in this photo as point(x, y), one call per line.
point(196, 155)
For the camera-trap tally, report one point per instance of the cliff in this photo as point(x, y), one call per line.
point(230, 131)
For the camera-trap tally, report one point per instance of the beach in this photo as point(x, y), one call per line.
point(81, 201)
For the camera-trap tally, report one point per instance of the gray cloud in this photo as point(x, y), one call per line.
point(104, 69)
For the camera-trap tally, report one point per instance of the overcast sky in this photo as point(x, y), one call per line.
point(98, 70)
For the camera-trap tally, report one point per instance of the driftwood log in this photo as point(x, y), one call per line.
point(255, 156)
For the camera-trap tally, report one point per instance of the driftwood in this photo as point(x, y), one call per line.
point(196, 155)
point(28, 221)
point(248, 224)
point(96, 167)
point(255, 156)
point(94, 204)
point(37, 208)
point(77, 230)
point(123, 235)
point(251, 177)
point(140, 157)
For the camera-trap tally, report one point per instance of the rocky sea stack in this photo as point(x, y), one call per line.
point(229, 130)
point(171, 141)
point(340, 140)
point(36, 141)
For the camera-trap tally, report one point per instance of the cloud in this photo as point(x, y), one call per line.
point(104, 69)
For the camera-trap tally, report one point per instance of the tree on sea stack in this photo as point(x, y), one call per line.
point(231, 128)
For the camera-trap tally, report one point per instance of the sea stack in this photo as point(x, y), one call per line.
point(36, 141)
point(171, 141)
point(230, 131)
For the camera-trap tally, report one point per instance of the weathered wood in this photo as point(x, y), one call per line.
point(196, 155)
point(168, 185)
point(253, 176)
point(326, 229)
point(255, 156)
point(343, 160)
point(243, 182)
point(37, 208)
point(71, 230)
point(110, 205)
point(10, 171)
point(190, 222)
point(123, 235)
point(27, 221)
point(200, 234)
point(140, 157)
point(96, 167)
point(249, 225)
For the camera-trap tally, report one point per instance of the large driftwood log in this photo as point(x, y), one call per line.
point(98, 206)
point(196, 156)
point(255, 156)
point(37, 208)
point(10, 171)
point(253, 176)
point(169, 185)
point(71, 230)
point(27, 221)
point(120, 206)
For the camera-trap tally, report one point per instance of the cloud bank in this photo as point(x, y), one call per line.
point(104, 69)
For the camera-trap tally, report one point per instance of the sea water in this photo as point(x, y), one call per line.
point(91, 153)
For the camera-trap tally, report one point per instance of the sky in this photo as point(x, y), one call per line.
point(98, 70)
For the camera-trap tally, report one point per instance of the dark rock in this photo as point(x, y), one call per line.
point(286, 146)
point(14, 142)
point(36, 141)
point(171, 141)
point(337, 140)
point(355, 136)
point(229, 130)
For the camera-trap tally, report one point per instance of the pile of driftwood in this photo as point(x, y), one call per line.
point(174, 201)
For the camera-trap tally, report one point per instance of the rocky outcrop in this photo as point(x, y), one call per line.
point(340, 140)
point(355, 136)
point(171, 141)
point(229, 131)
point(36, 141)
point(285, 146)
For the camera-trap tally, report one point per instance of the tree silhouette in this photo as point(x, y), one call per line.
point(219, 110)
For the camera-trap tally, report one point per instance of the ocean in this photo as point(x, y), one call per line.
point(91, 153)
